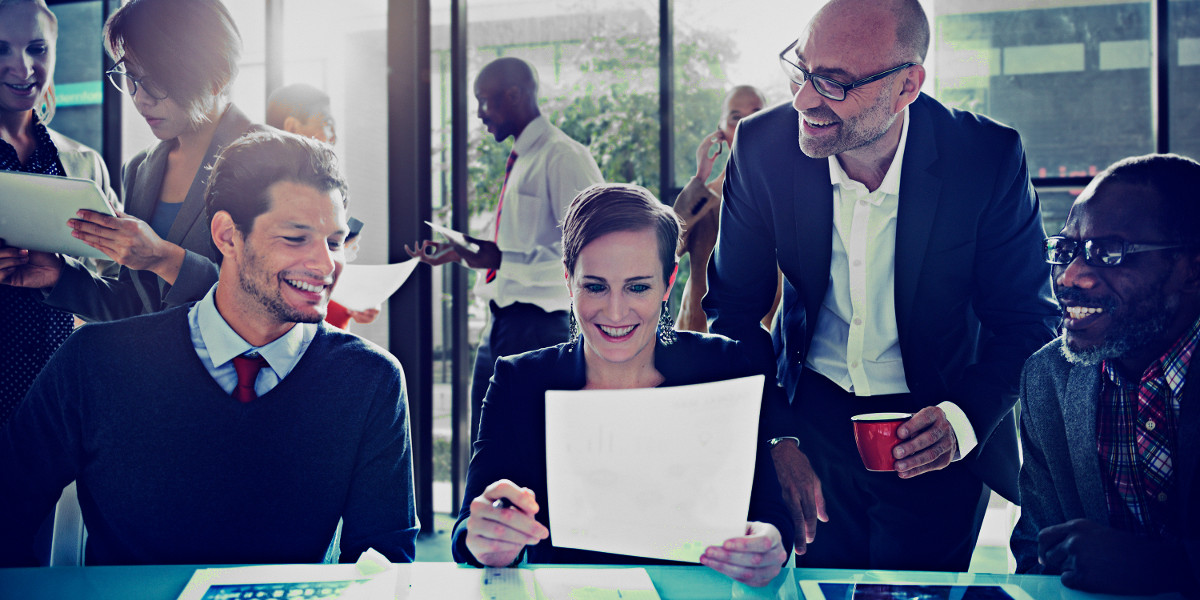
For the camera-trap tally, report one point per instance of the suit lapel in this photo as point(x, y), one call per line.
point(144, 191)
point(920, 192)
point(232, 124)
point(811, 214)
point(1079, 400)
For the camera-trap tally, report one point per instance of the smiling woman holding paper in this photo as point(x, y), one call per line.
point(29, 330)
point(177, 59)
point(619, 252)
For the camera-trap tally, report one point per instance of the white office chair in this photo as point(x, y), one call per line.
point(67, 541)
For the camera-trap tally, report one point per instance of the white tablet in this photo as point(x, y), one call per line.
point(859, 590)
point(34, 210)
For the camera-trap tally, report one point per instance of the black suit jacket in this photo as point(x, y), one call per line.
point(512, 434)
point(972, 290)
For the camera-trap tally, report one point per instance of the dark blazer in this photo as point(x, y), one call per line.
point(1061, 478)
point(972, 290)
point(130, 293)
point(512, 434)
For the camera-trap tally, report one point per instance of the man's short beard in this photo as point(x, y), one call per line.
point(1130, 334)
point(1120, 342)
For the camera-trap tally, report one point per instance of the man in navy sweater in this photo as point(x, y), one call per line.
point(223, 431)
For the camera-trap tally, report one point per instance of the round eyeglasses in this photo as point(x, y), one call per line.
point(834, 90)
point(129, 84)
point(1062, 250)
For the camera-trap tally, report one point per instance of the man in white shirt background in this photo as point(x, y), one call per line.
point(521, 271)
point(909, 237)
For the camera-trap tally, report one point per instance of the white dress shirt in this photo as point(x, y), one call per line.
point(550, 170)
point(217, 344)
point(856, 343)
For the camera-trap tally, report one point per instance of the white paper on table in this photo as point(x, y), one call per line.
point(659, 472)
point(374, 578)
point(360, 287)
point(594, 584)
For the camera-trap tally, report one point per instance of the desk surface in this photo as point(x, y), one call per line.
point(433, 580)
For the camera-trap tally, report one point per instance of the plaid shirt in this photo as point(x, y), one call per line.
point(1136, 433)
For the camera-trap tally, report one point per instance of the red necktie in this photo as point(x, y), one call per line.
point(247, 368)
point(512, 158)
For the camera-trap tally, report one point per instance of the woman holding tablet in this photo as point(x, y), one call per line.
point(29, 330)
point(177, 59)
point(619, 252)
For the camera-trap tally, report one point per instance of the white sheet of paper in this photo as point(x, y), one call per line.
point(594, 584)
point(360, 287)
point(660, 472)
point(345, 582)
point(454, 236)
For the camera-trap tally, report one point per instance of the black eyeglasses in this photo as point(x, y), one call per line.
point(834, 90)
point(129, 84)
point(1096, 252)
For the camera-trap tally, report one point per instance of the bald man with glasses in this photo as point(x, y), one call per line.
point(909, 237)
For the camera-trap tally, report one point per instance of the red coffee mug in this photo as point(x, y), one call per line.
point(875, 435)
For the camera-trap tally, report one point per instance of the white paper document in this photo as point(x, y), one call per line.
point(439, 581)
point(372, 578)
point(360, 287)
point(660, 472)
point(454, 236)
point(594, 584)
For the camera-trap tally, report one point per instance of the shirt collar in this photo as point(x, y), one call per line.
point(530, 135)
point(1174, 362)
point(223, 343)
point(891, 180)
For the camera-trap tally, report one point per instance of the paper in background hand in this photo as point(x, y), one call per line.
point(454, 236)
point(659, 472)
point(360, 287)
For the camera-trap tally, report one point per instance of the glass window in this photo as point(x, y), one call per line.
point(1184, 77)
point(719, 45)
point(1054, 73)
point(79, 73)
point(340, 48)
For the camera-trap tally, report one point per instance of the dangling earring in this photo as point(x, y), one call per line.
point(666, 326)
point(572, 329)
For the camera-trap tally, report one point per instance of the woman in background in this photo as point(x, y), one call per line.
point(29, 330)
point(619, 252)
point(177, 59)
point(699, 205)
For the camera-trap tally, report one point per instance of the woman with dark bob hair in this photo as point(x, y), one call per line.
point(619, 253)
point(177, 59)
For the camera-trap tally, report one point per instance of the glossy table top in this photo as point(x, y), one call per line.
point(447, 580)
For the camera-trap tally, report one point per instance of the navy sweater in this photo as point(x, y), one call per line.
point(172, 470)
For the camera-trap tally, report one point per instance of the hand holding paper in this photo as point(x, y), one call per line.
point(754, 559)
point(502, 524)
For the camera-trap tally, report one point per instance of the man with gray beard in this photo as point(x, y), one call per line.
point(1109, 484)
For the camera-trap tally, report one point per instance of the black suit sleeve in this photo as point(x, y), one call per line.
point(1010, 295)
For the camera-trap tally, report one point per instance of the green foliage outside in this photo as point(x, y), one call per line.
point(613, 109)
